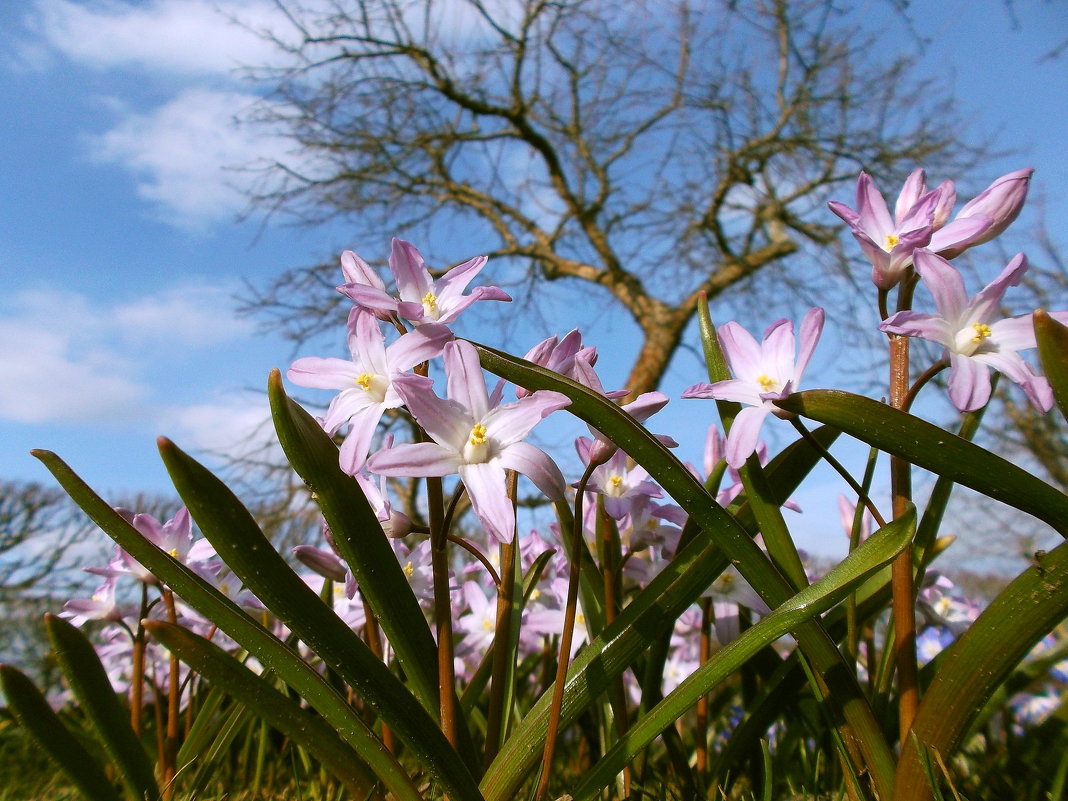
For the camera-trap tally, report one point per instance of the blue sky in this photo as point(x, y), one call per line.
point(120, 251)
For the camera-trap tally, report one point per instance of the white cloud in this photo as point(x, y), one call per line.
point(193, 314)
point(238, 426)
point(185, 37)
point(183, 154)
point(73, 361)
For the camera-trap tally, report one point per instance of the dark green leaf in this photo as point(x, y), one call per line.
point(932, 448)
point(243, 547)
point(243, 629)
point(281, 712)
point(32, 710)
point(91, 686)
point(1052, 338)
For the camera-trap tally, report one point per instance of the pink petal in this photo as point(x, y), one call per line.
point(409, 270)
point(513, 421)
point(811, 328)
point(446, 421)
point(421, 345)
point(945, 284)
point(987, 303)
point(320, 373)
point(487, 489)
point(536, 465)
point(466, 383)
point(357, 442)
point(969, 382)
point(415, 459)
point(744, 433)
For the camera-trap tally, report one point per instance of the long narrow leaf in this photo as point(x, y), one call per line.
point(91, 686)
point(237, 538)
point(280, 711)
point(932, 448)
point(32, 710)
point(813, 600)
point(243, 629)
point(976, 665)
point(1052, 339)
point(361, 541)
point(861, 730)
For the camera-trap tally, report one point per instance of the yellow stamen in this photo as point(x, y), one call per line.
point(615, 481)
point(430, 303)
point(982, 331)
point(767, 384)
point(891, 242)
point(408, 569)
point(487, 625)
point(478, 434)
point(363, 380)
point(173, 552)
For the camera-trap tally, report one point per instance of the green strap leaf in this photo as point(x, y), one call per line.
point(861, 729)
point(281, 712)
point(813, 600)
point(237, 538)
point(91, 686)
point(1028, 609)
point(361, 541)
point(1052, 338)
point(932, 448)
point(243, 629)
point(33, 711)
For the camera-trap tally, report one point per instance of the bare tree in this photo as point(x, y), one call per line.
point(646, 152)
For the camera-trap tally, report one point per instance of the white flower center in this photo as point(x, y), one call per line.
point(767, 383)
point(891, 242)
point(430, 305)
point(614, 487)
point(374, 385)
point(477, 448)
point(969, 339)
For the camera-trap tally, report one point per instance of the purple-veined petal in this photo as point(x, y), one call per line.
point(345, 404)
point(536, 465)
point(369, 297)
point(415, 459)
point(969, 382)
point(420, 345)
point(367, 343)
point(874, 215)
point(478, 293)
point(409, 270)
point(446, 421)
point(850, 217)
point(1013, 366)
point(987, 303)
point(778, 353)
point(932, 327)
point(741, 350)
point(511, 422)
point(357, 271)
point(914, 188)
point(945, 284)
point(811, 328)
point(323, 373)
point(357, 442)
point(744, 433)
point(450, 287)
point(466, 383)
point(959, 235)
point(487, 489)
point(733, 389)
point(1013, 333)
